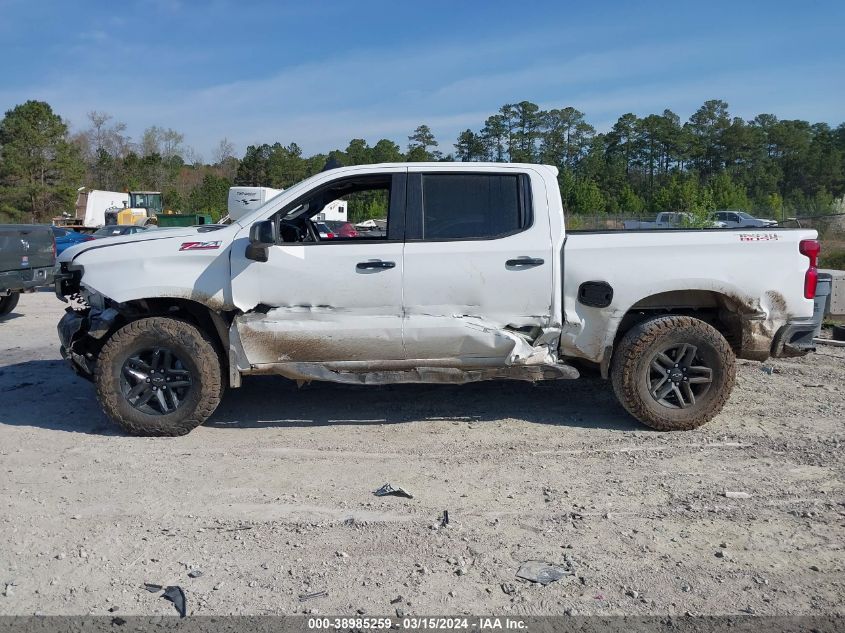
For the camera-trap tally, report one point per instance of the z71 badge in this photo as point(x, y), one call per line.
point(199, 246)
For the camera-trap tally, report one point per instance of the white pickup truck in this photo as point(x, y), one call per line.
point(669, 220)
point(475, 279)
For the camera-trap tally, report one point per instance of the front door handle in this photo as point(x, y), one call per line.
point(524, 262)
point(375, 263)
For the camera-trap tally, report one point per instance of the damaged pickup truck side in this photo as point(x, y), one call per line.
point(475, 278)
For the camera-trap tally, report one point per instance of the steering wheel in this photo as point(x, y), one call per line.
point(289, 232)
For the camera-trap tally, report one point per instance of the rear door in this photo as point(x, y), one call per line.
point(478, 263)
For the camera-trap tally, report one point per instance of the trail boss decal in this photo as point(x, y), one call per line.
point(758, 237)
point(199, 246)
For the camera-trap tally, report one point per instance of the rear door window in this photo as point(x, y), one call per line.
point(473, 206)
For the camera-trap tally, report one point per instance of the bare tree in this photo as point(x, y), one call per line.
point(192, 156)
point(166, 143)
point(224, 159)
point(111, 139)
point(225, 149)
point(171, 143)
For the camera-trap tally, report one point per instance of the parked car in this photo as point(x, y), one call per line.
point(342, 229)
point(668, 220)
point(372, 228)
point(27, 257)
point(476, 279)
point(65, 238)
point(324, 231)
point(741, 219)
point(117, 229)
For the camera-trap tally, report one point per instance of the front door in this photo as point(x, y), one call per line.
point(478, 264)
point(323, 300)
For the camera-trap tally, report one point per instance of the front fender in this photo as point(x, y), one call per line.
point(162, 268)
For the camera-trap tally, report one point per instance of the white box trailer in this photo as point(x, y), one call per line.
point(333, 211)
point(244, 200)
point(92, 204)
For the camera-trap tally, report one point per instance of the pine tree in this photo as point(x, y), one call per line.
point(40, 169)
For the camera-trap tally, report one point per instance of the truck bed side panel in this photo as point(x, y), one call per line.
point(759, 272)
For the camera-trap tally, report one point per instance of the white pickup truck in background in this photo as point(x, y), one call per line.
point(669, 220)
point(742, 220)
point(476, 278)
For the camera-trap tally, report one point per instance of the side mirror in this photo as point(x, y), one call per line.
point(264, 233)
point(261, 236)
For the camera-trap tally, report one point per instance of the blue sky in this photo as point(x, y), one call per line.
point(322, 72)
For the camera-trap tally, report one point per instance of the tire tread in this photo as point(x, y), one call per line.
point(634, 345)
point(9, 303)
point(206, 358)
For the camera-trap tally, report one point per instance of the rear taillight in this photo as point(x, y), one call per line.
point(810, 249)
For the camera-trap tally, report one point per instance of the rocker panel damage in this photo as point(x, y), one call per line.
point(322, 343)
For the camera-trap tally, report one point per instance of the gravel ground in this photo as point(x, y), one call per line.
point(273, 498)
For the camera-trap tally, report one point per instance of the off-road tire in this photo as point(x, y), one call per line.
point(630, 371)
point(8, 303)
point(201, 358)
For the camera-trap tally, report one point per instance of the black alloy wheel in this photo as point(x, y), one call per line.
point(678, 375)
point(155, 381)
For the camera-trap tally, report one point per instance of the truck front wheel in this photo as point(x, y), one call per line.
point(673, 372)
point(8, 303)
point(158, 376)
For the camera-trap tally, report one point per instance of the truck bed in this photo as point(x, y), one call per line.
point(759, 273)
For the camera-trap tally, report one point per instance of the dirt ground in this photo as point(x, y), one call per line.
point(273, 498)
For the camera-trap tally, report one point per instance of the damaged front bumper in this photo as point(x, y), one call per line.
point(81, 334)
point(67, 282)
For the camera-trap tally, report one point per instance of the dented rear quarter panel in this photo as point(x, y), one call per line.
point(759, 270)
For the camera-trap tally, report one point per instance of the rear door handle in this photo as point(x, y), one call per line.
point(376, 263)
point(524, 262)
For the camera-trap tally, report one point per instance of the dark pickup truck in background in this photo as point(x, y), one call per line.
point(27, 256)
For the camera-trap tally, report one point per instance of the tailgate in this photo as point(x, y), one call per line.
point(24, 247)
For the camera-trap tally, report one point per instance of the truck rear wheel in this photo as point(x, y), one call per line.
point(159, 376)
point(673, 372)
point(8, 303)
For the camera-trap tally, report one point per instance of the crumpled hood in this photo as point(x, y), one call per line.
point(199, 232)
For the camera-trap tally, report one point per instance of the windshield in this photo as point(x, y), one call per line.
point(288, 194)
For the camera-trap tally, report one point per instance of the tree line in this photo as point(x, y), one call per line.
point(641, 165)
point(657, 163)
